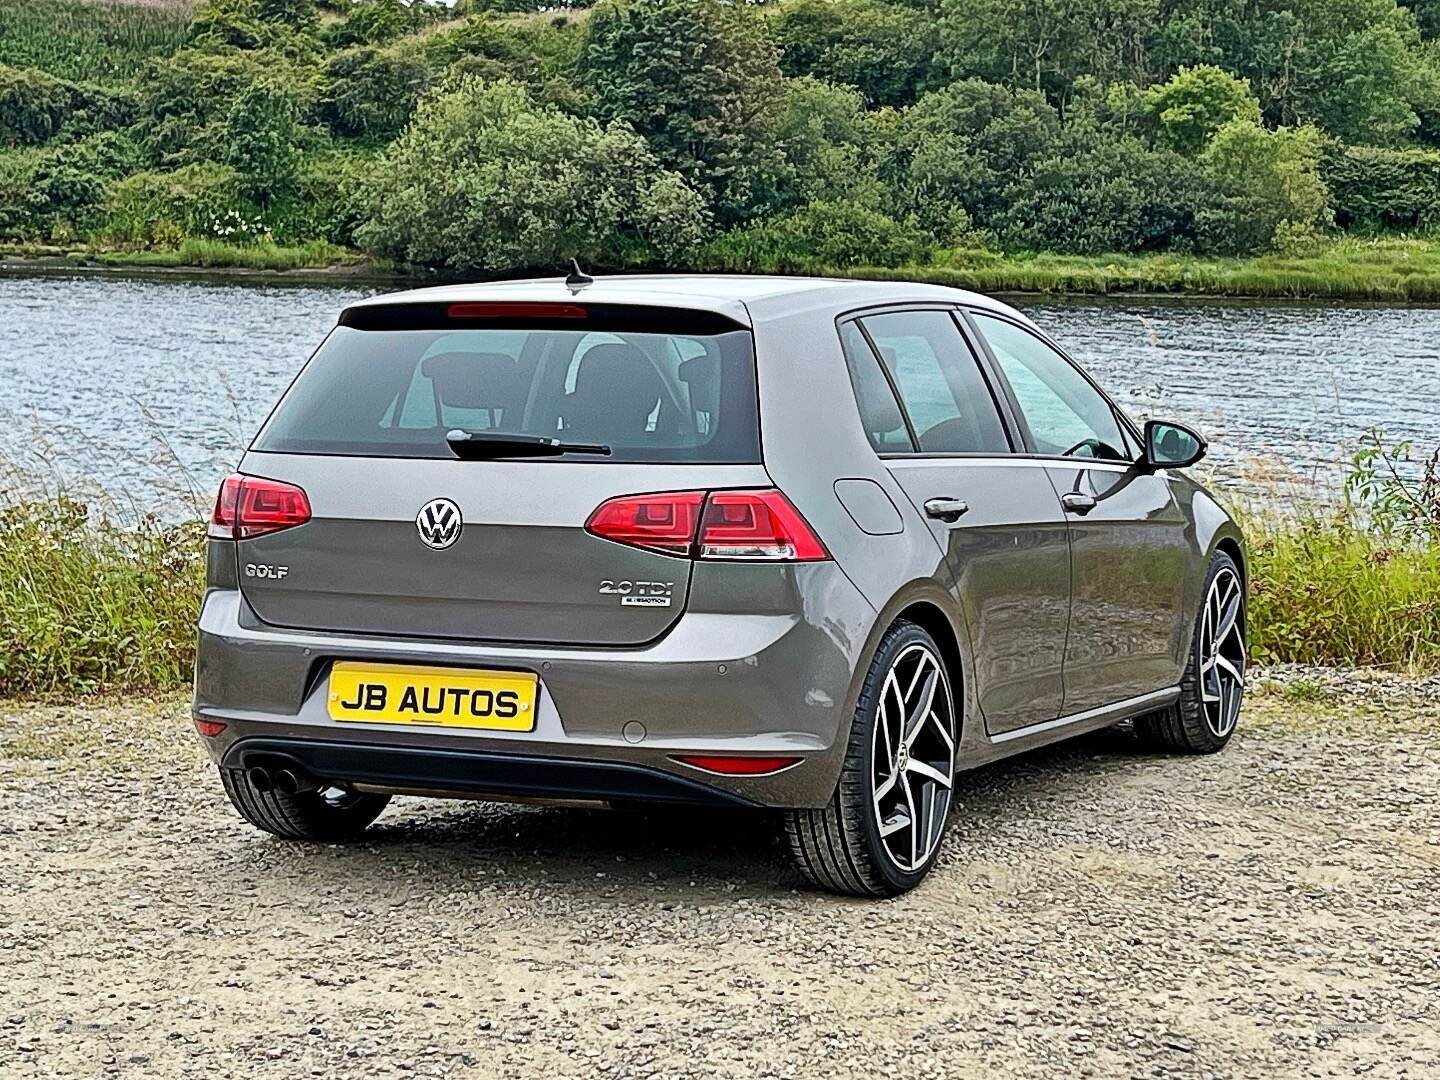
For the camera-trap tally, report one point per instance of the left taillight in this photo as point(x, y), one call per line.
point(250, 506)
point(742, 525)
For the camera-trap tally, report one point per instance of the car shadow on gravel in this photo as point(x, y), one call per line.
point(675, 851)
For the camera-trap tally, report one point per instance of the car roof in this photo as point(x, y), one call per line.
point(745, 298)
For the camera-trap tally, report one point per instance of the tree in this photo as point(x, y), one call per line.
point(1196, 103)
point(486, 179)
point(700, 80)
point(964, 147)
point(1045, 45)
point(886, 51)
point(1269, 188)
point(262, 133)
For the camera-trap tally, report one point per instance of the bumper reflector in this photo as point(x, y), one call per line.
point(209, 728)
point(735, 765)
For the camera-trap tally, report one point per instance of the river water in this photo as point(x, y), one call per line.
point(146, 389)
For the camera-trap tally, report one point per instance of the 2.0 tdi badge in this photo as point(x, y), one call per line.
point(439, 523)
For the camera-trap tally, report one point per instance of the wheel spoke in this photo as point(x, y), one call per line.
point(914, 719)
point(917, 767)
point(1223, 663)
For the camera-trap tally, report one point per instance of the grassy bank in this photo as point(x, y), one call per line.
point(194, 254)
point(1386, 270)
point(97, 605)
point(1348, 268)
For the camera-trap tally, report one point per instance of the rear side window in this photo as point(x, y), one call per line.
point(947, 399)
point(649, 396)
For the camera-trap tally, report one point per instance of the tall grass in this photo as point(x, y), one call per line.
point(1325, 590)
point(92, 603)
point(103, 41)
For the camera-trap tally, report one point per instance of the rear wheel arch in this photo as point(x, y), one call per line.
point(935, 622)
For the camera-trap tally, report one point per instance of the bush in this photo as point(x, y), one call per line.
point(162, 208)
point(1101, 194)
point(1188, 110)
point(701, 82)
point(36, 107)
point(486, 179)
point(1374, 188)
point(372, 92)
point(822, 236)
point(886, 51)
point(968, 146)
point(1268, 186)
point(260, 140)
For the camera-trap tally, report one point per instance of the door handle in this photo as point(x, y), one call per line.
point(946, 509)
point(1078, 502)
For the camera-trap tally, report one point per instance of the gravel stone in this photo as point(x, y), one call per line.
point(1097, 911)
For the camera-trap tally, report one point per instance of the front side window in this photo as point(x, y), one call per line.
point(1066, 415)
point(945, 396)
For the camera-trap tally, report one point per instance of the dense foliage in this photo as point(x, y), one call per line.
point(795, 134)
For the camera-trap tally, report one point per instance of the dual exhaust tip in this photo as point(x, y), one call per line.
point(288, 778)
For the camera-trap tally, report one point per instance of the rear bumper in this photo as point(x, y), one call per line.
point(476, 774)
point(608, 721)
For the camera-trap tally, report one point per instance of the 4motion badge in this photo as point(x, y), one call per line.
point(439, 523)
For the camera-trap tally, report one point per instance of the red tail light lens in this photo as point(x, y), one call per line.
point(749, 525)
point(209, 728)
point(734, 765)
point(664, 522)
point(756, 525)
point(250, 506)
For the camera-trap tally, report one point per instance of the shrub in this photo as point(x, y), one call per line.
point(1374, 188)
point(372, 92)
point(486, 179)
point(1188, 110)
point(886, 51)
point(966, 146)
point(260, 140)
point(163, 207)
point(1100, 194)
point(33, 105)
point(1268, 185)
point(700, 80)
point(821, 236)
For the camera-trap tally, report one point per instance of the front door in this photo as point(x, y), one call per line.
point(994, 513)
point(1128, 542)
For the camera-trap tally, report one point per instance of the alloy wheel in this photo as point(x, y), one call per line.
point(1222, 653)
point(912, 753)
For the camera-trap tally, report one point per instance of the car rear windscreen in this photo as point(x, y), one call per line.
point(393, 387)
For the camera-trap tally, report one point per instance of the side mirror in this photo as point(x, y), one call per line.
point(1169, 445)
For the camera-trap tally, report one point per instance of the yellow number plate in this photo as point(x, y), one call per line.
point(432, 696)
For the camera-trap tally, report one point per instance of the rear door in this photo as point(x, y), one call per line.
point(363, 432)
point(1130, 540)
point(934, 420)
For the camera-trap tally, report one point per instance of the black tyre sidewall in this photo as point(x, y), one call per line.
point(866, 714)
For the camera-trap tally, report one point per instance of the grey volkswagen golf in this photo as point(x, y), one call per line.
point(814, 545)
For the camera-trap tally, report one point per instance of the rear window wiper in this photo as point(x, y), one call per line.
point(500, 444)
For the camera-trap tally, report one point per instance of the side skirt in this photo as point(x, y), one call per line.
point(1020, 740)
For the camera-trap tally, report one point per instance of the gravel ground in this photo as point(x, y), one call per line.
point(1271, 911)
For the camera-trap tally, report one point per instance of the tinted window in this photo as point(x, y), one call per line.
point(1066, 415)
point(879, 411)
point(649, 396)
point(945, 395)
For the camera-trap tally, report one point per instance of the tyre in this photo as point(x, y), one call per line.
point(1211, 691)
point(881, 831)
point(332, 815)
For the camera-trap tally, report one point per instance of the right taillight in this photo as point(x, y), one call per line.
point(759, 525)
point(250, 506)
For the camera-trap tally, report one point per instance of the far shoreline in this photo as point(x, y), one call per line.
point(1385, 272)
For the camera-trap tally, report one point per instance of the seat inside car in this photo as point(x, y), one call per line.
point(474, 382)
point(616, 390)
